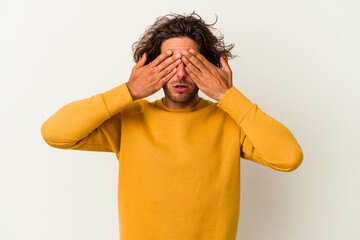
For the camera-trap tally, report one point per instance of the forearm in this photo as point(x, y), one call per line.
point(263, 139)
point(269, 142)
point(77, 119)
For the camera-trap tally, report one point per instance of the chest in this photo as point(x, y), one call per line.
point(195, 132)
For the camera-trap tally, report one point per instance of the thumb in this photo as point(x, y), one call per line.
point(142, 60)
point(224, 64)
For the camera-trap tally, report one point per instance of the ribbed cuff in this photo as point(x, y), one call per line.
point(116, 99)
point(235, 104)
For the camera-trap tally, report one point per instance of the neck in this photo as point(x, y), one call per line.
point(178, 105)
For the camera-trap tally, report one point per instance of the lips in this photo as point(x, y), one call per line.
point(181, 87)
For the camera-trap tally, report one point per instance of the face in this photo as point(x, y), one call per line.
point(181, 77)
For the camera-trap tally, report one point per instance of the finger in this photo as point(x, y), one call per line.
point(225, 64)
point(160, 58)
point(142, 61)
point(193, 75)
point(192, 68)
point(201, 58)
point(169, 68)
point(194, 60)
point(167, 77)
point(168, 61)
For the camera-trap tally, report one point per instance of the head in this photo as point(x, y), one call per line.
point(180, 32)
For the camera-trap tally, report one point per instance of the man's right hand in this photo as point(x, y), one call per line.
point(148, 79)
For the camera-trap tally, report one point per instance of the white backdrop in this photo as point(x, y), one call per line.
point(298, 60)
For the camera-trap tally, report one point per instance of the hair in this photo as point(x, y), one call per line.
point(176, 25)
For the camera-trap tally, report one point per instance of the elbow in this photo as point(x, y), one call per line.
point(294, 164)
point(53, 138)
point(46, 134)
point(292, 161)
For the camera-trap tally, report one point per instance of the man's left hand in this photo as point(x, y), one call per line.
point(211, 80)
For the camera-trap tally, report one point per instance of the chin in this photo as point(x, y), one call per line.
point(180, 97)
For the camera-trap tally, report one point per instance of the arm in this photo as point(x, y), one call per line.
point(90, 124)
point(94, 123)
point(263, 139)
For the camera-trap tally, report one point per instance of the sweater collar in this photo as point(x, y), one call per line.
point(159, 104)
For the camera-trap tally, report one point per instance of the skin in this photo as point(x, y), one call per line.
point(146, 80)
point(172, 98)
point(180, 62)
point(211, 80)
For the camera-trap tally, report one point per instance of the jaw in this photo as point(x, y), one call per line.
point(180, 97)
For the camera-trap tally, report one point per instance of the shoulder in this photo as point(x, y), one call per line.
point(138, 106)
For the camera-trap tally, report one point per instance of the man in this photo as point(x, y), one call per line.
point(179, 156)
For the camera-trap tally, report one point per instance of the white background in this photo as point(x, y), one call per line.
point(298, 60)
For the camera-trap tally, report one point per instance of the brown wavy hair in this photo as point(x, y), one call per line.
point(176, 25)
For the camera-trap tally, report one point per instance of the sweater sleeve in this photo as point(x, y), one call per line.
point(90, 124)
point(262, 138)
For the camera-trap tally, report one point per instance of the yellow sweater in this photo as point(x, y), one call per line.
point(179, 169)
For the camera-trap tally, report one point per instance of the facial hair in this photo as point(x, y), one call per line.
point(184, 97)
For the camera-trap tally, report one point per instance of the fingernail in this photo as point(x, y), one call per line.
point(169, 51)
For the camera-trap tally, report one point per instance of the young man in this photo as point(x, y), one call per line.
point(179, 156)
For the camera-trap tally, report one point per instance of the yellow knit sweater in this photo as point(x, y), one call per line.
point(179, 169)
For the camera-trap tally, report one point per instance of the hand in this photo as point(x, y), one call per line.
point(148, 79)
point(210, 79)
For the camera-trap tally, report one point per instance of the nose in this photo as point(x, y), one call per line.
point(181, 70)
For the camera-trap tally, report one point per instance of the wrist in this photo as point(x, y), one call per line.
point(131, 91)
point(222, 94)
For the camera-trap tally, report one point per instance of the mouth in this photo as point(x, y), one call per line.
point(181, 87)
